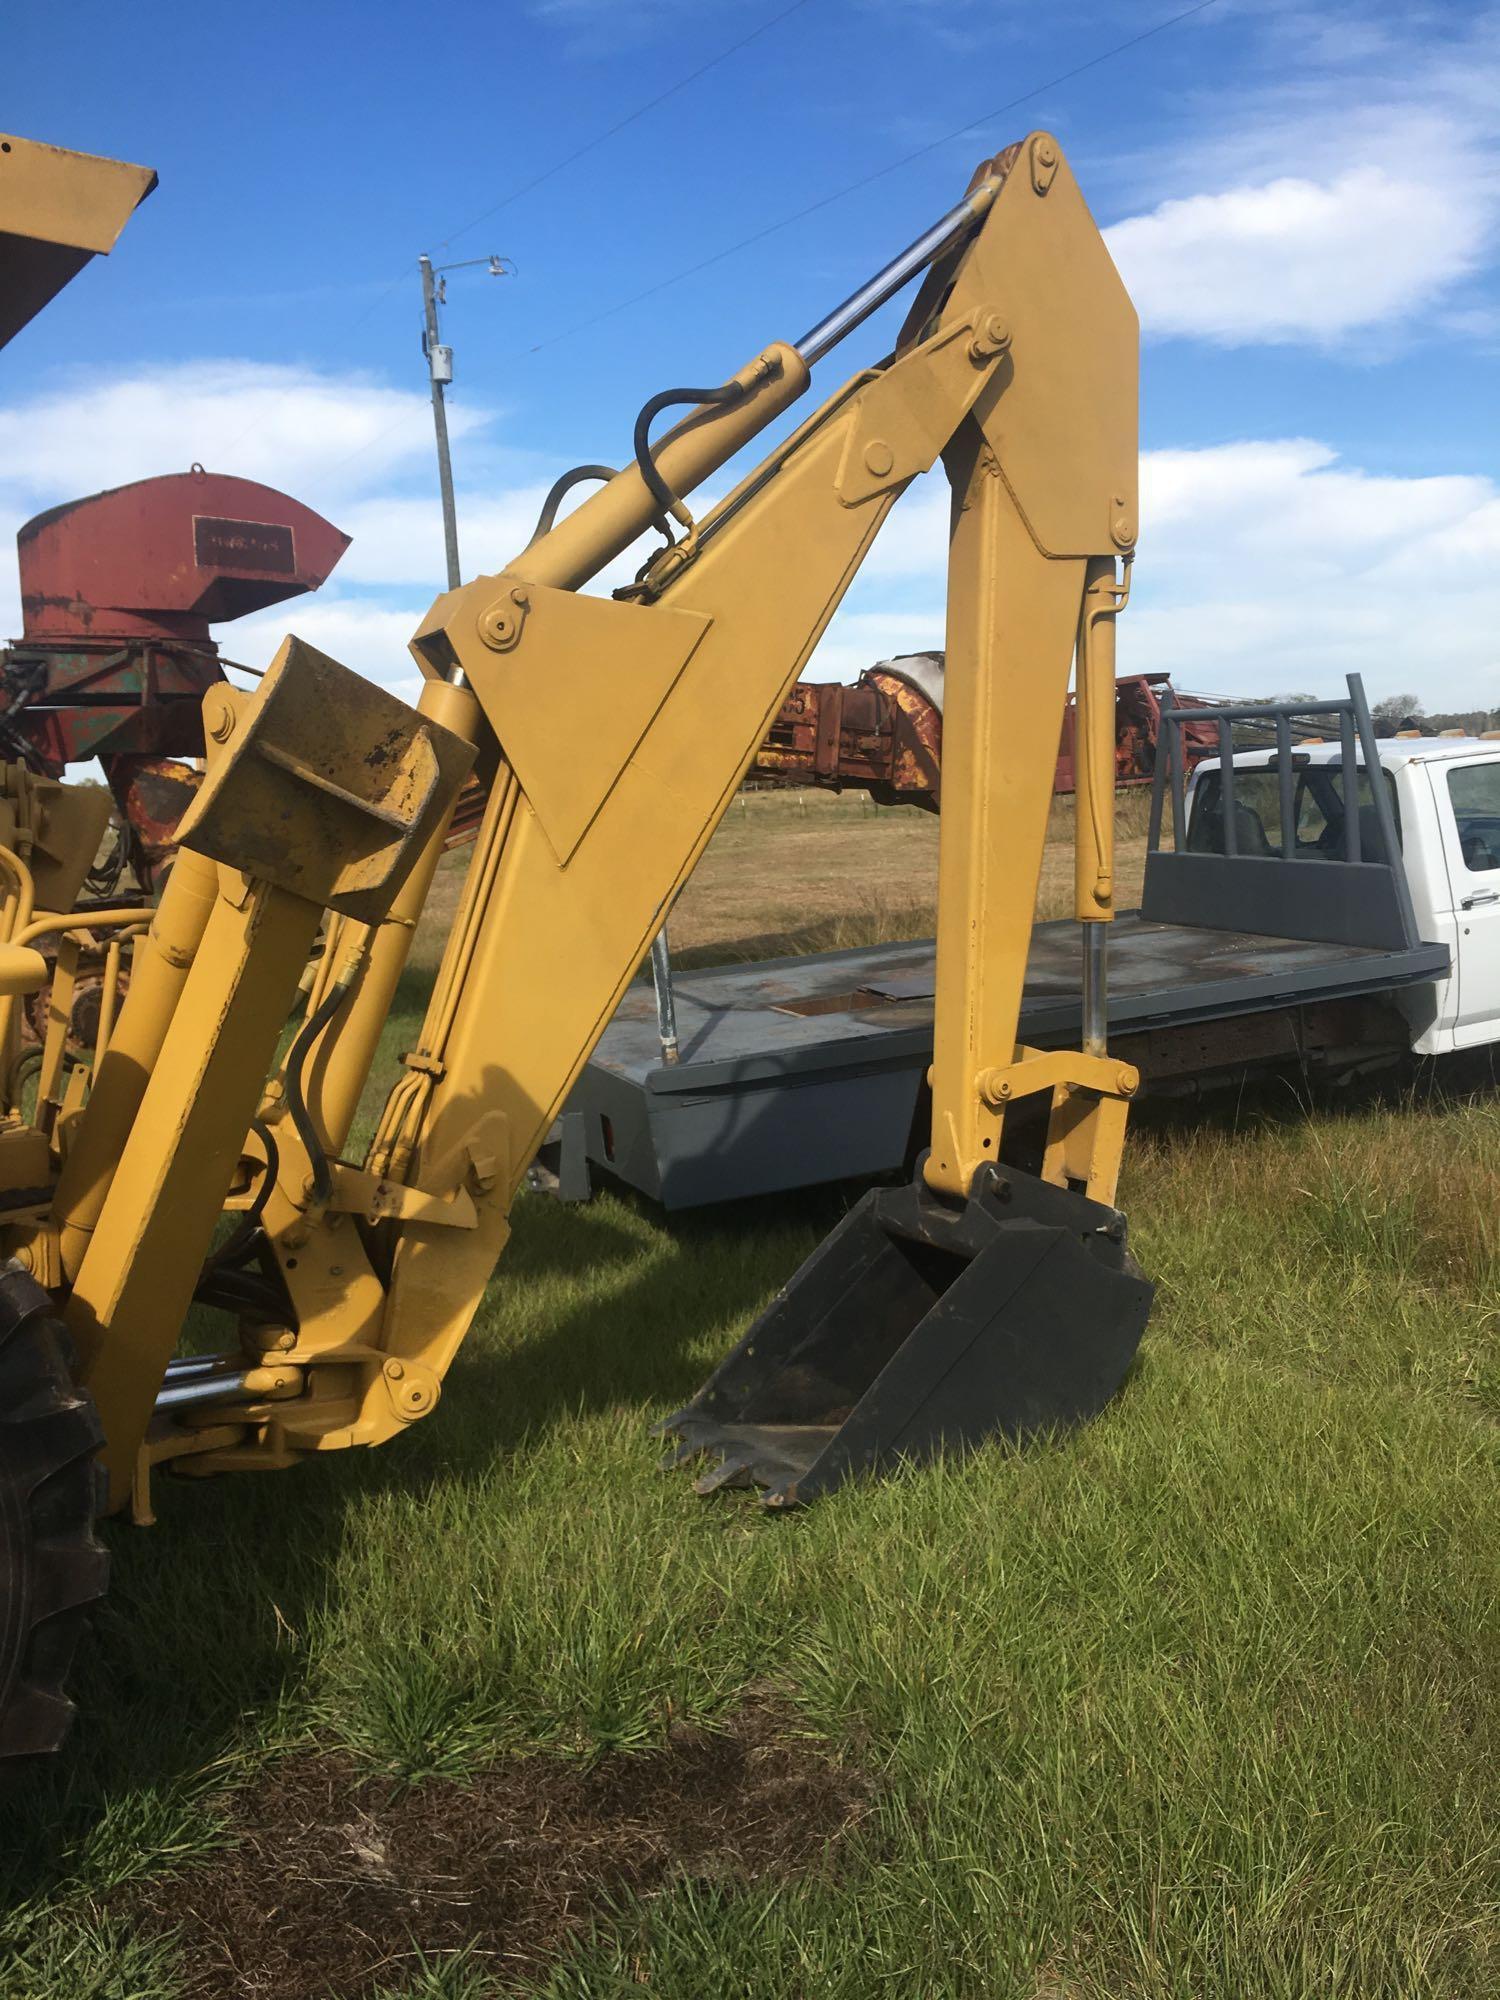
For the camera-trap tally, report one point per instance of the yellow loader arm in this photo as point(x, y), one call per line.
point(998, 1288)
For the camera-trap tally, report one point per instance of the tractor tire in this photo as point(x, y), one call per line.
point(53, 1568)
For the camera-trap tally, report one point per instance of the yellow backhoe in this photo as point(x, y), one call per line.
point(190, 1165)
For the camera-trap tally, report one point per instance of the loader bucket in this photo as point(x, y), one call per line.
point(921, 1326)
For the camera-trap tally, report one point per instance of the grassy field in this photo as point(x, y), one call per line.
point(1202, 1704)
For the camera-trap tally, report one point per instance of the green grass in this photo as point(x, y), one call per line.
point(1202, 1703)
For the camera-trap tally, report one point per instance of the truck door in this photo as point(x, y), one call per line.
point(1468, 802)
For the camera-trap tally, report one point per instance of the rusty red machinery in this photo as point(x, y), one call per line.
point(884, 734)
point(118, 592)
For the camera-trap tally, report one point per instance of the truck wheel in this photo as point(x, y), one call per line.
point(52, 1567)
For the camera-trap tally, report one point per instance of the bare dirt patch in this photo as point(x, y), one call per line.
point(334, 1882)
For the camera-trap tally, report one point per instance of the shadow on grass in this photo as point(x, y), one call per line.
point(195, 1665)
point(1289, 1097)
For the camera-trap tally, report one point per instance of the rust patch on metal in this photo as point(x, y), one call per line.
point(881, 736)
point(152, 793)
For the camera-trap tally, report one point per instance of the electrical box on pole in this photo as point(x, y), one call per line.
point(440, 375)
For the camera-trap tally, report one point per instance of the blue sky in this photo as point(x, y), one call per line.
point(1304, 201)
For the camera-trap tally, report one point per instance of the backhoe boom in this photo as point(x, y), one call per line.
point(355, 1282)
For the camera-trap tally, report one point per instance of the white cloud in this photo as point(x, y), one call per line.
point(1348, 187)
point(398, 538)
point(371, 638)
point(320, 436)
point(1264, 565)
point(1299, 259)
point(348, 445)
point(1273, 565)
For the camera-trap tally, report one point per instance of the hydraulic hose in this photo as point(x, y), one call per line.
point(729, 392)
point(296, 1062)
point(235, 1245)
point(559, 488)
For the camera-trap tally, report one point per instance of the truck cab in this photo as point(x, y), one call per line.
point(1444, 798)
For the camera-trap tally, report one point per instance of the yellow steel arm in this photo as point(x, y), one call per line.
point(626, 725)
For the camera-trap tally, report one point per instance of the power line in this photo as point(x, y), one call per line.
point(865, 180)
point(630, 118)
point(593, 145)
point(823, 201)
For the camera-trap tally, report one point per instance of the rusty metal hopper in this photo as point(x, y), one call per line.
point(921, 1327)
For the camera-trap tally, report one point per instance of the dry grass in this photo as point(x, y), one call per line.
point(790, 872)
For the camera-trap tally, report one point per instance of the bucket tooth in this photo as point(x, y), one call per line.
point(684, 1450)
point(730, 1471)
point(918, 1327)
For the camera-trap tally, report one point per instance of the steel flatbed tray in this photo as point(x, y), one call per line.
point(795, 1071)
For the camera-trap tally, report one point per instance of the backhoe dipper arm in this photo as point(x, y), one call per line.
point(1017, 366)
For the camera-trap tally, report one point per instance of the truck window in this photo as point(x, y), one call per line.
point(1475, 795)
point(1257, 814)
point(1318, 807)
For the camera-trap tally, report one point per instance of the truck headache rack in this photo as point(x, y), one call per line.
point(1224, 871)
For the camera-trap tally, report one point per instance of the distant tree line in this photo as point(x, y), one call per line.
point(1402, 713)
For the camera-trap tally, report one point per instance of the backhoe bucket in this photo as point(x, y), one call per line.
point(921, 1327)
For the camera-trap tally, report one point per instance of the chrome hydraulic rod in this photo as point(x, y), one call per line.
point(929, 246)
point(1095, 988)
point(208, 1388)
point(666, 999)
point(184, 1365)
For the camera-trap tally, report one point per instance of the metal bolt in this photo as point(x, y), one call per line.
point(221, 721)
point(394, 1370)
point(498, 628)
point(991, 336)
point(879, 458)
point(1046, 152)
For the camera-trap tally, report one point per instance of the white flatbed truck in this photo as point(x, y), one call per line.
point(1276, 928)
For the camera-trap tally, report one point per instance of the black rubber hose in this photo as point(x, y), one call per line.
point(247, 1228)
point(559, 488)
point(730, 392)
point(242, 1292)
point(296, 1103)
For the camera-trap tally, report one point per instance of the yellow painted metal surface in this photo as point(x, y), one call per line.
point(627, 724)
point(21, 970)
point(57, 209)
point(617, 731)
point(324, 784)
point(1094, 747)
point(158, 974)
point(79, 199)
point(319, 781)
point(136, 1279)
